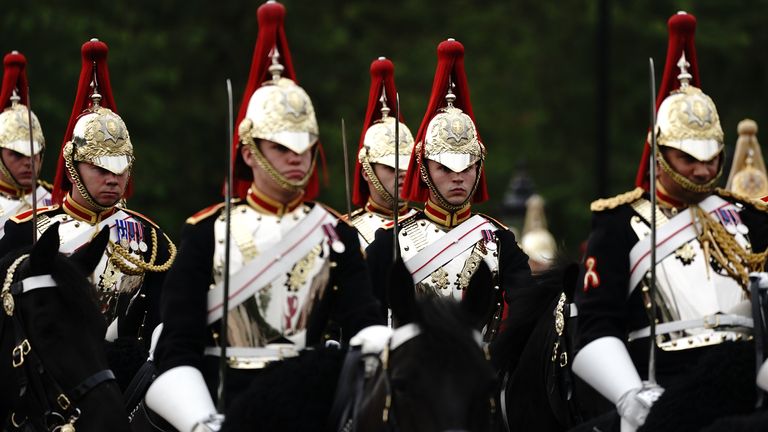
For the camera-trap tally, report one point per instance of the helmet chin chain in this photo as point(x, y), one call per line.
point(440, 198)
point(684, 182)
point(78, 182)
point(290, 185)
point(376, 183)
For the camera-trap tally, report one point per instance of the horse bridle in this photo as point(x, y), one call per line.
point(33, 379)
point(400, 336)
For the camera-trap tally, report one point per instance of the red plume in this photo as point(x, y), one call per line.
point(682, 27)
point(94, 67)
point(382, 75)
point(271, 19)
point(450, 63)
point(14, 77)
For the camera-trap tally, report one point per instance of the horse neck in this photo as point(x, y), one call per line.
point(102, 410)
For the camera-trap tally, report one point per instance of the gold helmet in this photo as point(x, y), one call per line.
point(378, 141)
point(275, 109)
point(96, 134)
point(448, 134)
point(748, 174)
point(537, 242)
point(15, 117)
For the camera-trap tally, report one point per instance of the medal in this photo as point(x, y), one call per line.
point(142, 246)
point(333, 238)
point(489, 240)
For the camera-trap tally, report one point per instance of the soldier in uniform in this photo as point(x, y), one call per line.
point(374, 187)
point(16, 154)
point(443, 245)
point(93, 180)
point(708, 240)
point(295, 269)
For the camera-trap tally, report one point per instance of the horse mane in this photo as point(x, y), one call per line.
point(528, 304)
point(77, 293)
point(445, 329)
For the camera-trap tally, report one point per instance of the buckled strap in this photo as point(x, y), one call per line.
point(90, 383)
point(709, 321)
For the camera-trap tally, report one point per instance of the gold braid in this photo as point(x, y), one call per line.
point(727, 251)
point(141, 266)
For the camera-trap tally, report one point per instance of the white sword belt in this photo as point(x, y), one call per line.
point(708, 322)
point(254, 357)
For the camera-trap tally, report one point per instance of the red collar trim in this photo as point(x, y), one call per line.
point(372, 207)
point(443, 217)
point(83, 214)
point(264, 204)
point(11, 190)
point(666, 200)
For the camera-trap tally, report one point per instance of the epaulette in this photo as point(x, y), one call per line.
point(757, 203)
point(27, 215)
point(144, 218)
point(205, 213)
point(494, 220)
point(47, 186)
point(391, 224)
point(613, 202)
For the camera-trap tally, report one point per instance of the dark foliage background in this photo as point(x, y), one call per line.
point(533, 69)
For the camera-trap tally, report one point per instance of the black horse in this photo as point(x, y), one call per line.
point(533, 355)
point(52, 363)
point(433, 375)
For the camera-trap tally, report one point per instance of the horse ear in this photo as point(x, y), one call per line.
point(45, 249)
point(479, 297)
point(401, 294)
point(88, 257)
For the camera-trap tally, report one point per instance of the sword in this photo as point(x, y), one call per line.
point(652, 287)
point(227, 240)
point(396, 205)
point(34, 169)
point(346, 166)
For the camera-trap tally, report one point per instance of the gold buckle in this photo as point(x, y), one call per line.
point(710, 325)
point(63, 401)
point(20, 351)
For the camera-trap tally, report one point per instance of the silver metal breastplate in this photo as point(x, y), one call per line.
point(279, 310)
point(692, 290)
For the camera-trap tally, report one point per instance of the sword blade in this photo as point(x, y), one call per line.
point(654, 207)
point(34, 168)
point(346, 166)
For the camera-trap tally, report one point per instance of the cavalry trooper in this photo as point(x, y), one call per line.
point(443, 245)
point(93, 180)
point(295, 269)
point(17, 178)
point(374, 186)
point(708, 241)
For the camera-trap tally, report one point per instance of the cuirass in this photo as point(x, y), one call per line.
point(689, 288)
point(114, 277)
point(280, 309)
point(367, 223)
point(452, 278)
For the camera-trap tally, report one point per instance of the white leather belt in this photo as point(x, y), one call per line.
point(708, 322)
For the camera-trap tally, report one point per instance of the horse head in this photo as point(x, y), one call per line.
point(52, 341)
point(434, 374)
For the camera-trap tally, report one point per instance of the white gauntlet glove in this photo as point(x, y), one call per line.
point(634, 405)
point(211, 424)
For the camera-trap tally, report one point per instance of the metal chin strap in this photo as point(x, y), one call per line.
point(40, 393)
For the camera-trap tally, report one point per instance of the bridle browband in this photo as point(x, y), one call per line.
point(39, 393)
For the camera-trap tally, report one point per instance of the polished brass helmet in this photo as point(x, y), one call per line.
point(100, 138)
point(451, 138)
point(748, 174)
point(14, 129)
point(687, 120)
point(379, 141)
point(280, 111)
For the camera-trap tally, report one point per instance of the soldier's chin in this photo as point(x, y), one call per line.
point(108, 200)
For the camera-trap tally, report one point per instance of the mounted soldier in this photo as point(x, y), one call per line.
point(707, 242)
point(93, 181)
point(374, 184)
point(295, 269)
point(443, 245)
point(18, 146)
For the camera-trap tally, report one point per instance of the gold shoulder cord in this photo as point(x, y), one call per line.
point(141, 266)
point(725, 249)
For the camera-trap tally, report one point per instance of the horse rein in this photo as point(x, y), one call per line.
point(26, 361)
